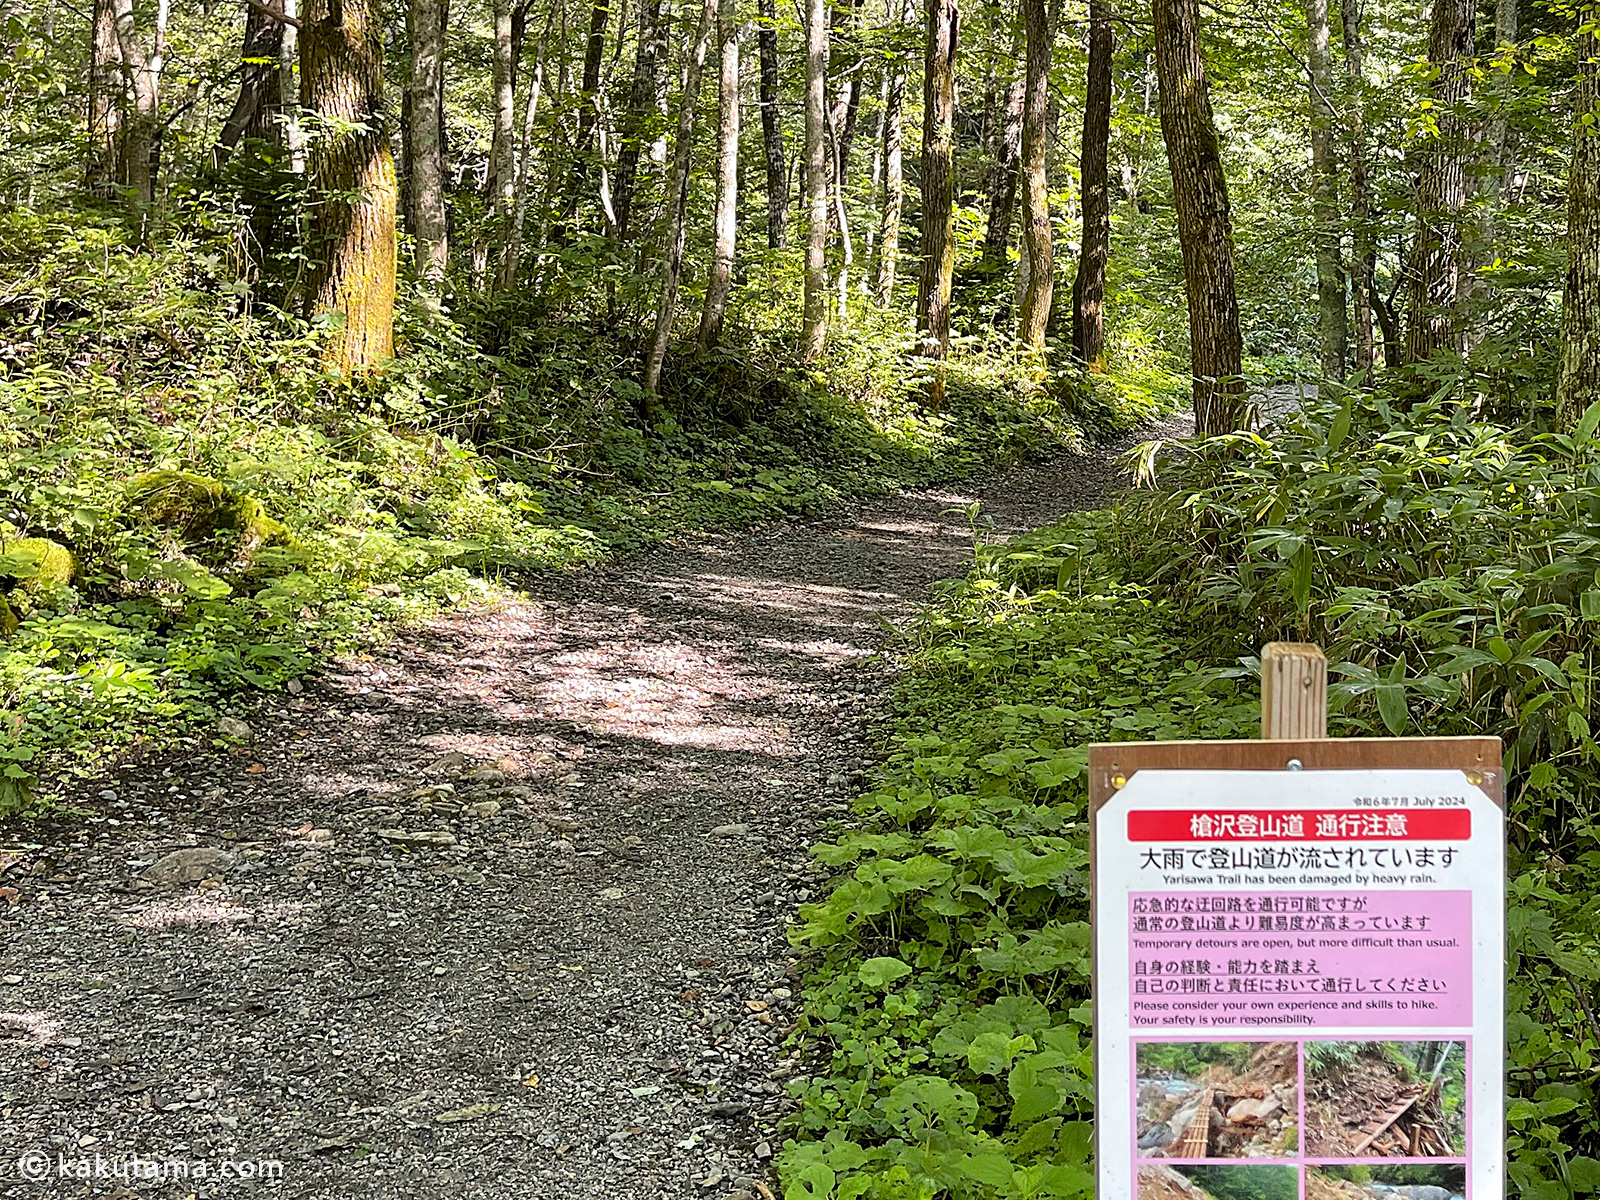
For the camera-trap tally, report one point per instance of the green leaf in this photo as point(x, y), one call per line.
point(1340, 427)
point(881, 972)
point(1392, 707)
point(1588, 423)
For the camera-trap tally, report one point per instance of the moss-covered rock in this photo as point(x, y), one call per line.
point(8, 620)
point(205, 514)
point(38, 565)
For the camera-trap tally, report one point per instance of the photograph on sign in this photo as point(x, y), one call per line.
point(1298, 985)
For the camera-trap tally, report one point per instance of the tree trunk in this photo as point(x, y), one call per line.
point(1433, 319)
point(938, 189)
point(430, 224)
point(771, 129)
point(1495, 171)
point(1364, 252)
point(1089, 286)
point(1037, 236)
point(588, 116)
point(1205, 227)
point(1003, 180)
point(106, 90)
point(647, 59)
point(1204, 223)
point(678, 204)
point(720, 281)
point(1579, 385)
point(894, 179)
point(502, 146)
point(294, 140)
point(255, 109)
point(352, 226)
point(1332, 326)
point(844, 65)
point(814, 333)
point(511, 263)
point(141, 139)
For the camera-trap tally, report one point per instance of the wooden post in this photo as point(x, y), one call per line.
point(1294, 692)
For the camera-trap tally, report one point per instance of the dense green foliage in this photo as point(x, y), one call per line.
point(1448, 565)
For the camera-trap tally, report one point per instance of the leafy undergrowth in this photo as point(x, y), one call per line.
point(190, 507)
point(1451, 568)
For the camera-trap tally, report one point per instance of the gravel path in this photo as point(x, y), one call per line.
point(498, 913)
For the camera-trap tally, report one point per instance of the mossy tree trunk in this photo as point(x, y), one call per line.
point(1433, 299)
point(1037, 236)
point(1205, 225)
point(352, 176)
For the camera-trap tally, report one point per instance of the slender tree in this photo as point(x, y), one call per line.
point(1332, 321)
point(1089, 286)
point(1037, 242)
point(511, 261)
point(771, 127)
point(938, 188)
point(649, 54)
point(1364, 251)
point(502, 146)
point(352, 226)
point(720, 282)
point(677, 211)
point(429, 224)
point(894, 186)
point(588, 116)
point(1435, 264)
point(1579, 384)
point(814, 331)
point(105, 97)
point(1003, 176)
point(1205, 226)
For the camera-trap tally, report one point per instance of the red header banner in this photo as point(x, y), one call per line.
point(1277, 825)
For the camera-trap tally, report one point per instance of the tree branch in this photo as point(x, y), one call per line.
point(281, 18)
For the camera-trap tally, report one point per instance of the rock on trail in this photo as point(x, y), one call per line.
point(498, 913)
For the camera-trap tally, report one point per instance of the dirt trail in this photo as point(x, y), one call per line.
point(583, 991)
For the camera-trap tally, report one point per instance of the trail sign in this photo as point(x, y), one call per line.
point(1299, 969)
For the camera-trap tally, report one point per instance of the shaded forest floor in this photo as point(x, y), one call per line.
point(500, 911)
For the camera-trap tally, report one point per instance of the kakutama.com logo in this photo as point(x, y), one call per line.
point(39, 1166)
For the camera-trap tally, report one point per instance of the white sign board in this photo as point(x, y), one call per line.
point(1299, 985)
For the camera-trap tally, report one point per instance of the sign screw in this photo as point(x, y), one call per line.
point(1119, 782)
point(1294, 764)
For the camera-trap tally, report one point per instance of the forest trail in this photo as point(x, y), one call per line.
point(499, 912)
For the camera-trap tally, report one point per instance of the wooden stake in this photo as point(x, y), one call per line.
point(1294, 692)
